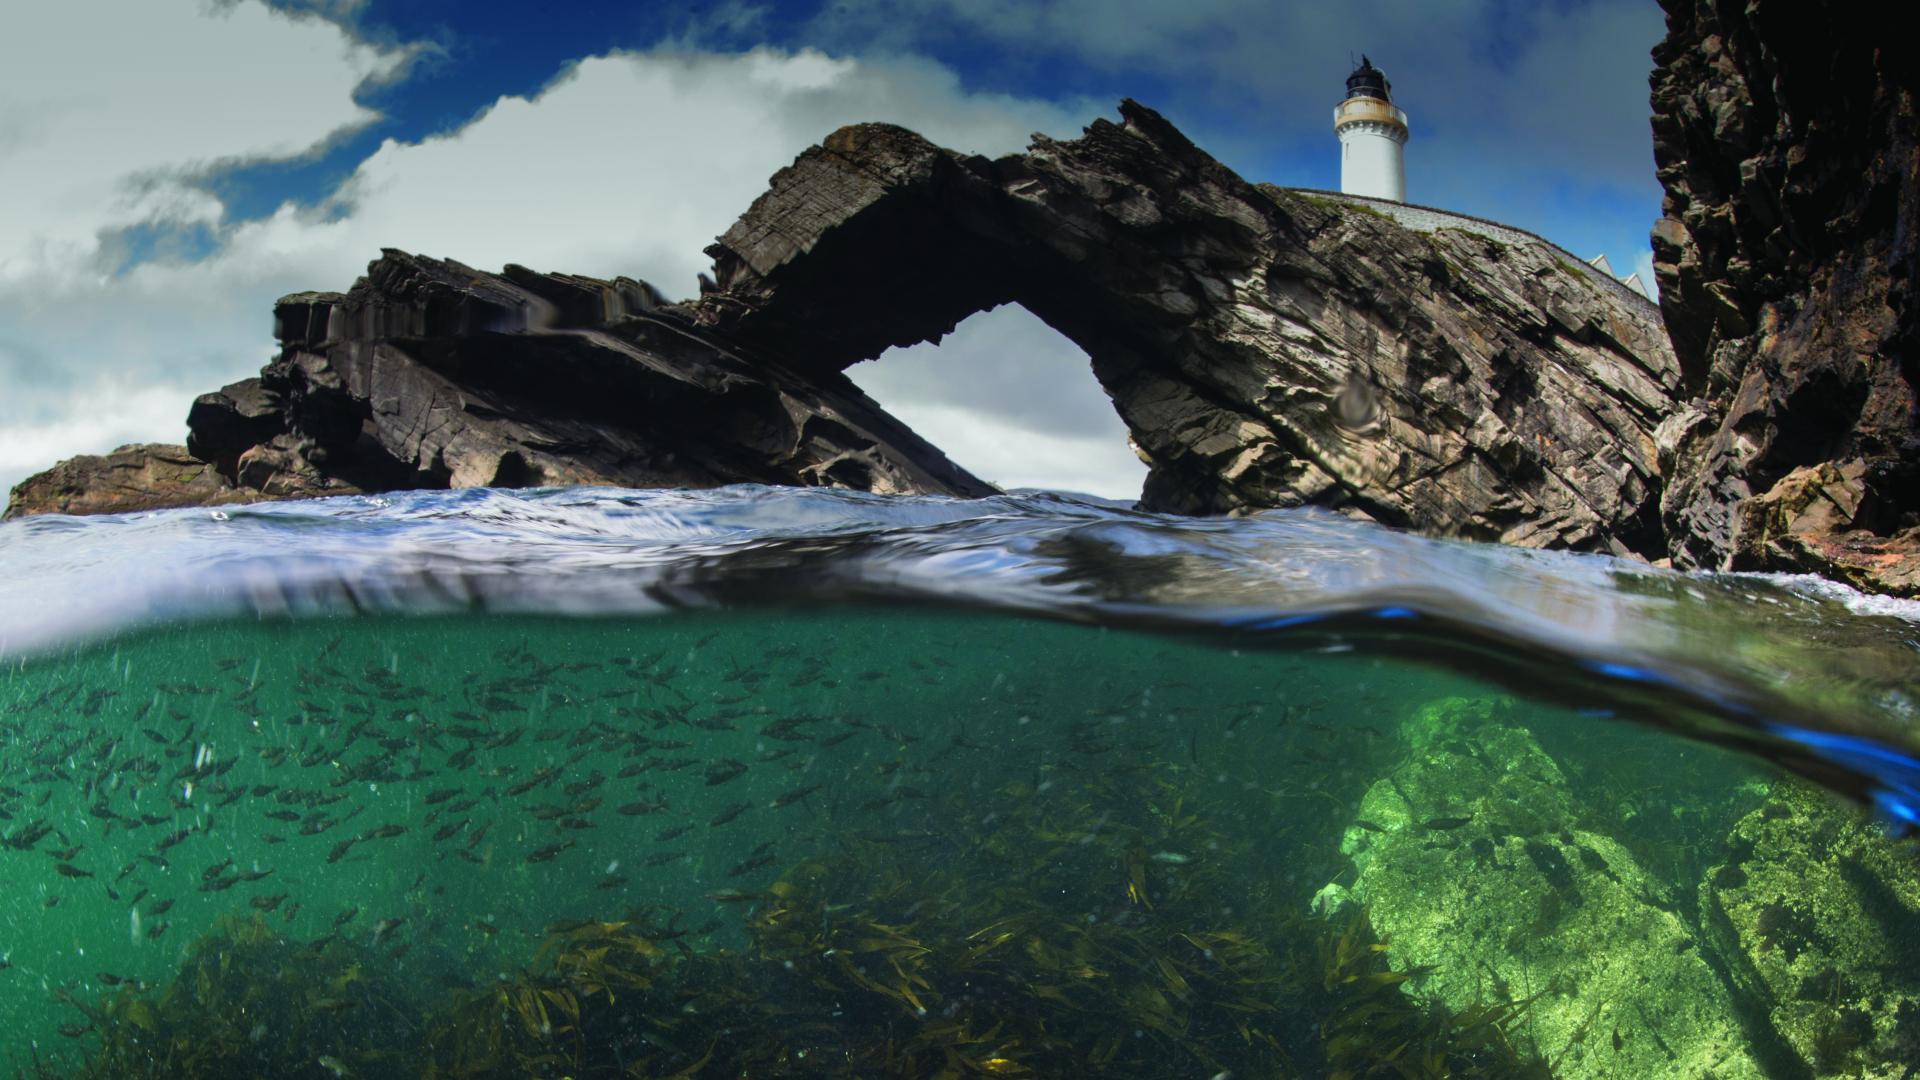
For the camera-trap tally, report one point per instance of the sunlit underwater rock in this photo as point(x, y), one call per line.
point(1475, 861)
point(1819, 913)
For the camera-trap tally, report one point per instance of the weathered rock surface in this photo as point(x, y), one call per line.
point(1788, 142)
point(145, 476)
point(432, 374)
point(1475, 859)
point(1264, 348)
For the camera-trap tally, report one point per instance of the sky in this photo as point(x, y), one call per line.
point(169, 167)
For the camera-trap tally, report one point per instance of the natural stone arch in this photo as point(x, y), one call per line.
point(1500, 393)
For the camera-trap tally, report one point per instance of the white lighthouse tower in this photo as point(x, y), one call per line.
point(1372, 134)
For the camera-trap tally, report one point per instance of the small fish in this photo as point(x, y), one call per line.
point(796, 795)
point(1368, 825)
point(729, 813)
point(70, 870)
point(751, 865)
point(672, 833)
point(548, 853)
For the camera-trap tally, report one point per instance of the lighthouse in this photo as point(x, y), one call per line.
point(1372, 135)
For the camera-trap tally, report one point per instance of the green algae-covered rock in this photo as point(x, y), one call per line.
point(1472, 860)
point(1819, 911)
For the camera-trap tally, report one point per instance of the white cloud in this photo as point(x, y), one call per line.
point(108, 110)
point(1012, 455)
point(629, 163)
point(120, 412)
point(1011, 400)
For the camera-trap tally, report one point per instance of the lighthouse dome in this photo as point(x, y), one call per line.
point(1369, 81)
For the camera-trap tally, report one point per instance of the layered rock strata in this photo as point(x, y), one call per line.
point(1787, 140)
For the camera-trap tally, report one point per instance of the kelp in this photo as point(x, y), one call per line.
point(1098, 922)
point(248, 1001)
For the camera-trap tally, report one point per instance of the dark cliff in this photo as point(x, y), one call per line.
point(1785, 135)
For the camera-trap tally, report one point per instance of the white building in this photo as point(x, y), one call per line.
point(1373, 134)
point(1632, 281)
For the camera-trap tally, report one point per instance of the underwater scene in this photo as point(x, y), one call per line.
point(759, 783)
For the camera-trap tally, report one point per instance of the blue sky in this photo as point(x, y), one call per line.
point(167, 181)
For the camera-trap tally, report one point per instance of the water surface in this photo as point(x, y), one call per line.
point(816, 783)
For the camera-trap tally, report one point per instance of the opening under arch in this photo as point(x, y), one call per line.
point(1011, 400)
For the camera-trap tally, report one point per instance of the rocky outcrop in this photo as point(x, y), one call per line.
point(1788, 142)
point(146, 476)
point(433, 374)
point(1265, 348)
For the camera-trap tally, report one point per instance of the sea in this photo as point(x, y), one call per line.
point(773, 782)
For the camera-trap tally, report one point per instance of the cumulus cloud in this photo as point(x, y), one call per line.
point(106, 130)
point(628, 163)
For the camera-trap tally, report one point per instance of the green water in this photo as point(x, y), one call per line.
point(901, 843)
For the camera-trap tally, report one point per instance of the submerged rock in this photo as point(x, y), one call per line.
point(1820, 914)
point(1473, 861)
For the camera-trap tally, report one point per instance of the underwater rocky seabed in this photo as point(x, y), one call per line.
point(893, 839)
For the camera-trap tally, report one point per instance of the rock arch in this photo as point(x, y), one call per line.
point(1508, 397)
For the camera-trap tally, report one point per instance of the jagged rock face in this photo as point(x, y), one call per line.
point(1265, 349)
point(1785, 135)
point(432, 374)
